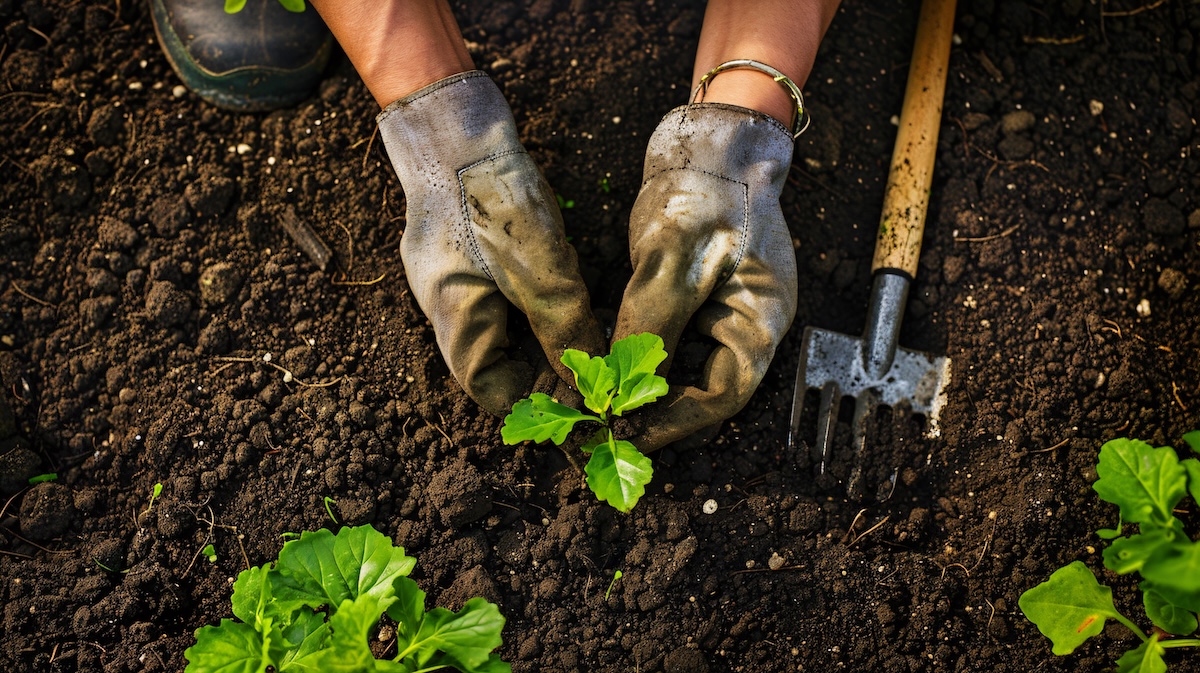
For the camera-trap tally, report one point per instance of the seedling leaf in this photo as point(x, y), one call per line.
point(326, 569)
point(1174, 571)
point(251, 596)
point(306, 636)
point(1129, 554)
point(1166, 615)
point(618, 473)
point(348, 650)
point(634, 359)
point(1146, 483)
point(1147, 658)
point(1193, 440)
point(292, 5)
point(539, 418)
point(468, 635)
point(1070, 607)
point(593, 377)
point(234, 6)
point(1192, 467)
point(231, 647)
point(281, 632)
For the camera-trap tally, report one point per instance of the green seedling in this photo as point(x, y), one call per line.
point(329, 503)
point(604, 186)
point(210, 553)
point(235, 6)
point(611, 385)
point(354, 577)
point(564, 204)
point(154, 496)
point(616, 576)
point(1146, 484)
point(289, 536)
point(43, 478)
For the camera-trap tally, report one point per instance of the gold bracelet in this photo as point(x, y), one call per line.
point(783, 80)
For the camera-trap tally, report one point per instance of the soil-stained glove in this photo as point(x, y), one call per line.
point(708, 241)
point(483, 230)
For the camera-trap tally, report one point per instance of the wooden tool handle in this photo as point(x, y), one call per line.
point(898, 245)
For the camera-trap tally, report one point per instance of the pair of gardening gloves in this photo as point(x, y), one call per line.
point(706, 237)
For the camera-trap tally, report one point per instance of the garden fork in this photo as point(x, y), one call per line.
point(873, 368)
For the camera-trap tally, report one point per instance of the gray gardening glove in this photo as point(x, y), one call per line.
point(483, 231)
point(708, 244)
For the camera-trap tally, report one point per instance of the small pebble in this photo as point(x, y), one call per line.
point(710, 506)
point(1143, 308)
point(775, 562)
point(179, 91)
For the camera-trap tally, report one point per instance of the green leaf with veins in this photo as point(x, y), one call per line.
point(1165, 614)
point(538, 418)
point(1129, 554)
point(1191, 466)
point(231, 647)
point(304, 637)
point(1070, 607)
point(1192, 439)
point(618, 473)
point(593, 377)
point(634, 359)
point(349, 648)
point(1175, 572)
point(326, 569)
point(1146, 658)
point(252, 596)
point(1146, 483)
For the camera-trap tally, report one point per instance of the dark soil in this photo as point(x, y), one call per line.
point(145, 279)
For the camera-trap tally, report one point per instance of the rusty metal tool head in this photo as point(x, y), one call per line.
point(873, 368)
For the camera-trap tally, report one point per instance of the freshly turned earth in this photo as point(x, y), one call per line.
point(146, 277)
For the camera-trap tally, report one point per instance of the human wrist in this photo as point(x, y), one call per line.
point(754, 90)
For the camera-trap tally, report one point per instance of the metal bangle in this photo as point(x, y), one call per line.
point(801, 114)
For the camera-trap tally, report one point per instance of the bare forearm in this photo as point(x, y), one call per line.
point(397, 46)
point(784, 34)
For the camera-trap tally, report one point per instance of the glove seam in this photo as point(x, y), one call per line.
point(745, 226)
point(466, 213)
point(686, 110)
point(425, 91)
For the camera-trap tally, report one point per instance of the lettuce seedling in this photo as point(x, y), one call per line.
point(356, 576)
point(611, 385)
point(1146, 484)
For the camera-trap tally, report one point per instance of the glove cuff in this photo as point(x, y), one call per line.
point(453, 123)
point(726, 140)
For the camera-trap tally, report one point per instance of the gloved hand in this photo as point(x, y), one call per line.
point(708, 243)
point(483, 230)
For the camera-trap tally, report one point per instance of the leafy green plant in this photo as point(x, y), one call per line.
point(357, 575)
point(1146, 484)
point(235, 6)
point(611, 385)
point(209, 552)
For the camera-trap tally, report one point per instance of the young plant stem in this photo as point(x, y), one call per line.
point(1132, 627)
point(1180, 642)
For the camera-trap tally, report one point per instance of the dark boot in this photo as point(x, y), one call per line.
point(261, 58)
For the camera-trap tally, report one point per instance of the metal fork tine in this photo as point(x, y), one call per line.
point(865, 407)
point(827, 413)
